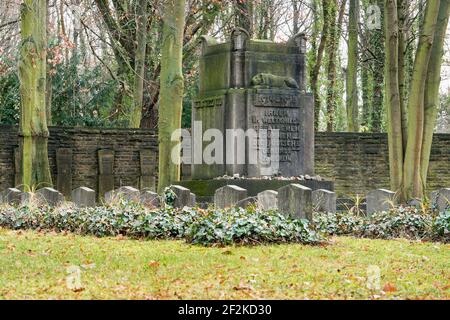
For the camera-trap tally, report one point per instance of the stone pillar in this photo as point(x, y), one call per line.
point(83, 197)
point(236, 97)
point(147, 179)
point(239, 38)
point(268, 200)
point(324, 201)
point(235, 118)
point(106, 171)
point(64, 171)
point(295, 200)
point(299, 40)
point(307, 105)
point(380, 200)
point(228, 196)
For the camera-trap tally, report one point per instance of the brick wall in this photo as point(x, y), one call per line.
point(85, 144)
point(357, 162)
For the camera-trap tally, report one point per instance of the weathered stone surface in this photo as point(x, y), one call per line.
point(147, 182)
point(417, 203)
point(27, 198)
point(193, 200)
point(17, 161)
point(324, 201)
point(64, 168)
point(10, 196)
point(228, 196)
point(50, 196)
point(83, 197)
point(123, 193)
point(149, 199)
point(268, 200)
point(251, 84)
point(440, 199)
point(295, 200)
point(148, 168)
point(244, 203)
point(148, 162)
point(106, 171)
point(183, 196)
point(379, 200)
point(205, 189)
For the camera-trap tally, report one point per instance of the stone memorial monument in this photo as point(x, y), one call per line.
point(255, 84)
point(248, 85)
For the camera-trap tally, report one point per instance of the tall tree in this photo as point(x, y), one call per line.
point(139, 66)
point(319, 54)
point(366, 65)
point(409, 165)
point(35, 169)
point(352, 68)
point(393, 107)
point(122, 19)
point(377, 44)
point(171, 92)
point(431, 102)
point(412, 179)
point(402, 51)
point(336, 15)
point(244, 14)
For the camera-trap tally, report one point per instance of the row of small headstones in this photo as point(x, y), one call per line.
point(294, 199)
point(82, 197)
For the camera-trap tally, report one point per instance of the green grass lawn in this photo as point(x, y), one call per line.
point(34, 266)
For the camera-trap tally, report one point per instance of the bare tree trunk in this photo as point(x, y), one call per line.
point(432, 87)
point(139, 64)
point(352, 68)
point(171, 90)
point(401, 11)
point(377, 41)
point(296, 16)
point(335, 27)
point(244, 14)
point(412, 180)
point(318, 63)
point(35, 169)
point(393, 106)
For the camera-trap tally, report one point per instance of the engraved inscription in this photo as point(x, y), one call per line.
point(209, 102)
point(287, 121)
point(275, 100)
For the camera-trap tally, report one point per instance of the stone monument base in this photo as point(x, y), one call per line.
point(204, 189)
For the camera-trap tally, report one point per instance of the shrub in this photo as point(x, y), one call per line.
point(441, 227)
point(197, 226)
point(249, 226)
point(402, 222)
point(225, 227)
point(340, 223)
